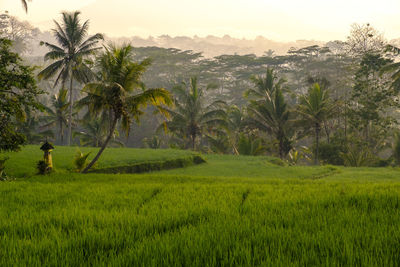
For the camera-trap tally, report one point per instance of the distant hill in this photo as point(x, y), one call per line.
point(210, 46)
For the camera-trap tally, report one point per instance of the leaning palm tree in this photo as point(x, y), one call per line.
point(120, 92)
point(192, 116)
point(69, 56)
point(315, 108)
point(57, 113)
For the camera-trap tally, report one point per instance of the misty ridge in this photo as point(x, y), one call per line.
point(210, 46)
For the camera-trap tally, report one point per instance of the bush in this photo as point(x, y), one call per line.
point(153, 165)
point(357, 156)
point(330, 153)
point(250, 145)
point(43, 168)
point(3, 175)
point(80, 160)
point(396, 149)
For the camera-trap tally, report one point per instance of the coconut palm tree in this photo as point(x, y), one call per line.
point(192, 116)
point(69, 56)
point(272, 116)
point(94, 134)
point(264, 86)
point(120, 92)
point(57, 113)
point(315, 107)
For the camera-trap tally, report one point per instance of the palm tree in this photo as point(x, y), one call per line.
point(264, 86)
point(95, 133)
point(69, 56)
point(272, 115)
point(315, 107)
point(57, 114)
point(120, 92)
point(192, 117)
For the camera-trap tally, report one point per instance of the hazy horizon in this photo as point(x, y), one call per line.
point(282, 21)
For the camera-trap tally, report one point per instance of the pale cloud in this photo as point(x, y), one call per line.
point(281, 20)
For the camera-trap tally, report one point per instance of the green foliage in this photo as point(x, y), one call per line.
point(18, 92)
point(120, 92)
point(69, 56)
point(43, 168)
point(396, 149)
point(3, 175)
point(270, 112)
point(153, 143)
point(294, 157)
point(153, 165)
point(315, 108)
point(331, 153)
point(57, 114)
point(357, 156)
point(193, 117)
point(250, 145)
point(375, 98)
point(81, 160)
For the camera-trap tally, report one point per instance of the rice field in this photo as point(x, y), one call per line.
point(230, 211)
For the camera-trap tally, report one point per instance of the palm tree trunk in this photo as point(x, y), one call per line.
point(70, 112)
point(114, 124)
point(316, 143)
point(193, 141)
point(61, 133)
point(281, 148)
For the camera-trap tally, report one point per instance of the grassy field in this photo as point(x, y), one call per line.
point(230, 211)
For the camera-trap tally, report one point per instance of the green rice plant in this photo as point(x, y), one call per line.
point(81, 160)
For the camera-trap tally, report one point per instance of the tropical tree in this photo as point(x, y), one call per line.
point(272, 115)
point(393, 68)
point(95, 132)
point(57, 113)
point(315, 107)
point(69, 56)
point(18, 96)
point(193, 116)
point(264, 86)
point(120, 92)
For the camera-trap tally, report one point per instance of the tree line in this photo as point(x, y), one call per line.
point(335, 104)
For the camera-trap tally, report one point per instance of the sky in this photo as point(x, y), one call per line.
point(279, 20)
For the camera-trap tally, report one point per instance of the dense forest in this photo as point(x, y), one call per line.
point(335, 103)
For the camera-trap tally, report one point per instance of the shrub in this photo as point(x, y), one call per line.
point(294, 157)
point(357, 156)
point(154, 165)
point(330, 153)
point(3, 175)
point(80, 160)
point(396, 149)
point(250, 145)
point(43, 168)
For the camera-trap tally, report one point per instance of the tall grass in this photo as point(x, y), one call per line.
point(273, 216)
